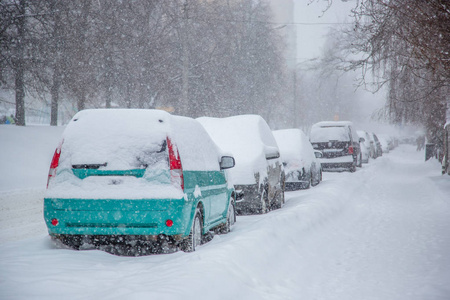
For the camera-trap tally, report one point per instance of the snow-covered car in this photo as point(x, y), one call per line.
point(384, 142)
point(301, 166)
point(258, 176)
point(377, 144)
point(367, 147)
point(137, 177)
point(339, 144)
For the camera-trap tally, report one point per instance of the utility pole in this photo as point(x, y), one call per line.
point(294, 109)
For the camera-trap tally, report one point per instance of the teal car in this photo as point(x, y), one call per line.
point(137, 182)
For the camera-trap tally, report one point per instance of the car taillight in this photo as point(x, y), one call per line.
point(350, 149)
point(176, 170)
point(54, 164)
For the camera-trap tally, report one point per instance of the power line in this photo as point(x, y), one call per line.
point(271, 23)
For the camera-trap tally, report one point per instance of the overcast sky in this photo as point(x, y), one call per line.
point(310, 38)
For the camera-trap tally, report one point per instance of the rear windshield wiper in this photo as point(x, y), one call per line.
point(89, 166)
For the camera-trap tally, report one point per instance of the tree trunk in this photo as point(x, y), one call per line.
point(20, 67)
point(20, 95)
point(55, 97)
point(56, 80)
point(184, 105)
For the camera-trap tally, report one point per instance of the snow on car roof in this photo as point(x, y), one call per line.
point(245, 137)
point(96, 136)
point(333, 123)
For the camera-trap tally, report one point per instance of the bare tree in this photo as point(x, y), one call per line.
point(404, 45)
point(198, 57)
point(14, 49)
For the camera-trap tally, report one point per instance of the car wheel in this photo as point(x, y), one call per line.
point(195, 236)
point(314, 183)
point(231, 219)
point(360, 160)
point(307, 185)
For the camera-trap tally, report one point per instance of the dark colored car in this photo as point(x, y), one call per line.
point(339, 144)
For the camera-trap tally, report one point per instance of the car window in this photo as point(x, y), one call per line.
point(108, 154)
point(329, 133)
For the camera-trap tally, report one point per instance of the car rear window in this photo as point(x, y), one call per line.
point(107, 153)
point(329, 133)
point(115, 140)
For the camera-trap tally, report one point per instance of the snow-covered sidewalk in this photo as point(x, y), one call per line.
point(379, 233)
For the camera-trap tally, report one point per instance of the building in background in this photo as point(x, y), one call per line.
point(283, 19)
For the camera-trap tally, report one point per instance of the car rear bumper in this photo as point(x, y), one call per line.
point(338, 163)
point(118, 217)
point(298, 185)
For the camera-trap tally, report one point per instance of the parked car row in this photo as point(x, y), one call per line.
point(345, 149)
point(134, 182)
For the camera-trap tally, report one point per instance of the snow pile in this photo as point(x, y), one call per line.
point(25, 155)
point(248, 138)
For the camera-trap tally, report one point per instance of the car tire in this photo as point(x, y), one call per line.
point(231, 219)
point(194, 239)
point(307, 185)
point(314, 183)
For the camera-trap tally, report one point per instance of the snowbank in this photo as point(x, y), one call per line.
point(25, 155)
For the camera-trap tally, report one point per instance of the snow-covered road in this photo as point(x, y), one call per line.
point(379, 233)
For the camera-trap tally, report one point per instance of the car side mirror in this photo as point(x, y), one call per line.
point(226, 162)
point(318, 154)
point(362, 140)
